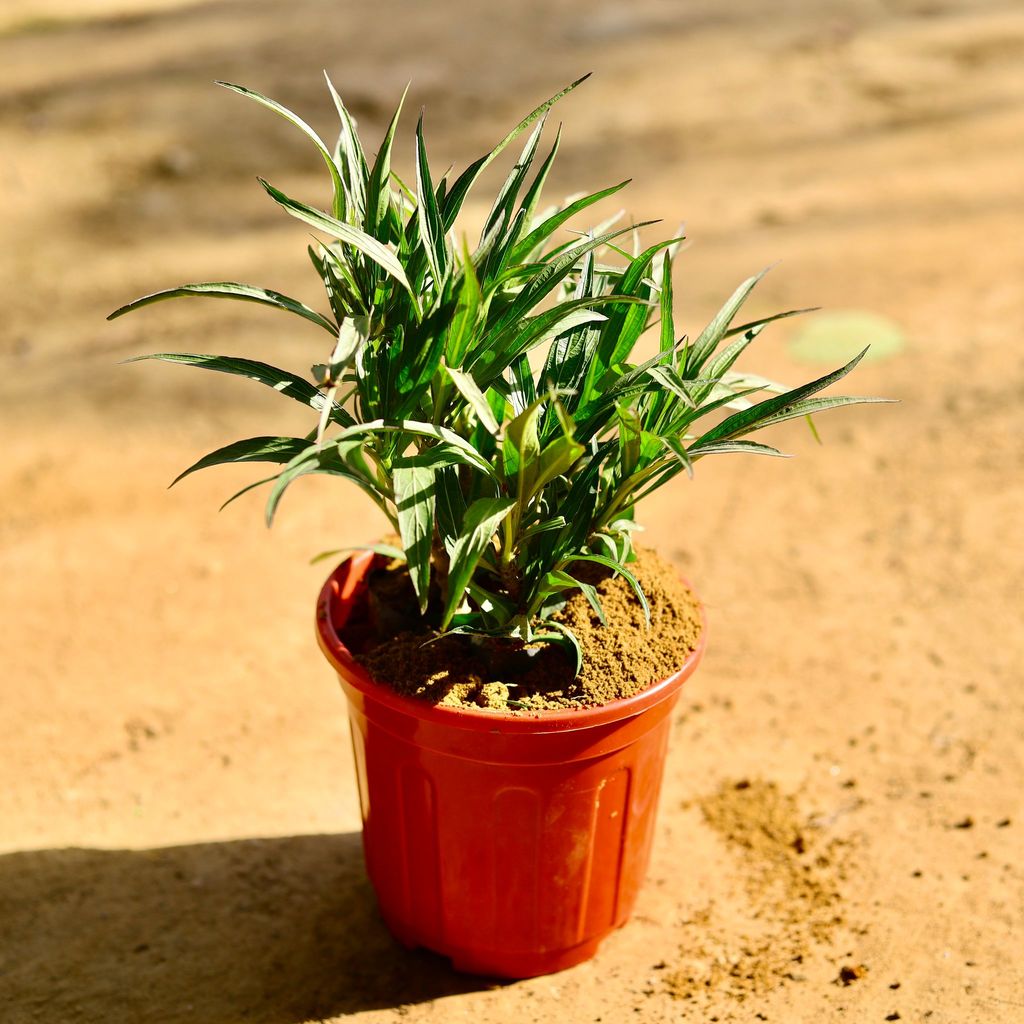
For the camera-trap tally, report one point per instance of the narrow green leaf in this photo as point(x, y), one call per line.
point(562, 580)
point(342, 281)
point(353, 334)
point(470, 455)
point(460, 189)
point(501, 209)
point(439, 456)
point(464, 320)
point(481, 521)
point(782, 407)
point(549, 276)
point(708, 339)
point(812, 426)
point(303, 463)
point(499, 349)
point(378, 189)
point(548, 227)
point(414, 501)
point(467, 387)
point(630, 431)
point(622, 571)
point(287, 383)
point(532, 197)
point(565, 363)
point(245, 490)
point(366, 244)
point(764, 321)
point(355, 159)
point(628, 320)
point(669, 379)
point(418, 373)
point(288, 115)
point(698, 451)
point(578, 506)
point(811, 406)
point(738, 385)
point(496, 356)
point(555, 460)
point(565, 638)
point(431, 229)
point(537, 529)
point(522, 390)
point(678, 449)
point(231, 290)
point(254, 449)
point(592, 418)
point(340, 297)
point(667, 340)
point(680, 424)
point(450, 504)
point(521, 450)
point(325, 459)
point(725, 359)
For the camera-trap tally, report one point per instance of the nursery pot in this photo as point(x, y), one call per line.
point(511, 843)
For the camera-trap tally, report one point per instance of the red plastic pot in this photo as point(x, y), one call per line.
point(512, 844)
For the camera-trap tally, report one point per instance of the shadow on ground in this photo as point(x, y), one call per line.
point(260, 930)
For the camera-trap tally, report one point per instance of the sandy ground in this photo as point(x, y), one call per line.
point(178, 819)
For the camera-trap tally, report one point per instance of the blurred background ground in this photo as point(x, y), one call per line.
point(178, 819)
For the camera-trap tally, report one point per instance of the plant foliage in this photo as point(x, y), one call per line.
point(488, 398)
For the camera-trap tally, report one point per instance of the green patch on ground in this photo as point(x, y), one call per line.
point(835, 338)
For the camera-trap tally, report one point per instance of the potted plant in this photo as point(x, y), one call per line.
point(509, 661)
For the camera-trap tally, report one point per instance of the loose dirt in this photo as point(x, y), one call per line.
point(621, 657)
point(781, 887)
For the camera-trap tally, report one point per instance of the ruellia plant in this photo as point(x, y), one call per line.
point(488, 398)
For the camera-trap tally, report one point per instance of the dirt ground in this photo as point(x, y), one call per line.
point(840, 827)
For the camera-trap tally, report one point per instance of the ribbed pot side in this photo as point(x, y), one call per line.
point(511, 844)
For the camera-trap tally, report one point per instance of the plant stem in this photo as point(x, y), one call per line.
point(440, 564)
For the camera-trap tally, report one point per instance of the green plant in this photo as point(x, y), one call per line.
point(500, 475)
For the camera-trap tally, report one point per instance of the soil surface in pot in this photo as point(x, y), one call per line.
point(619, 659)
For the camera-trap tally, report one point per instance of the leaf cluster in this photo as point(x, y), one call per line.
point(488, 398)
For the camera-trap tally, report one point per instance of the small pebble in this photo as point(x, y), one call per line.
point(849, 973)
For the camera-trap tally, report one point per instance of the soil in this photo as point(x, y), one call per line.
point(791, 902)
point(179, 819)
point(620, 658)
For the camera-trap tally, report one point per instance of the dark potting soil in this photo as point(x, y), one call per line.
point(619, 659)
